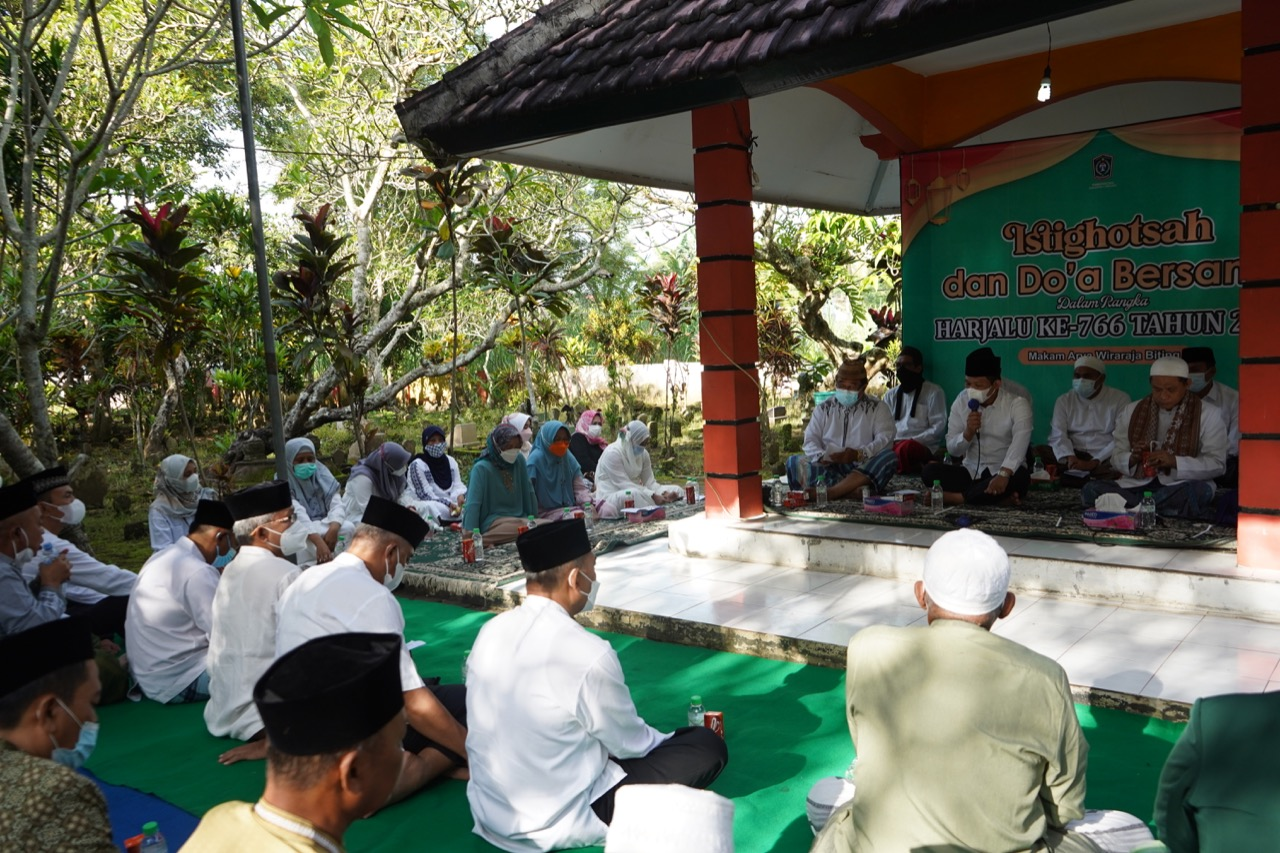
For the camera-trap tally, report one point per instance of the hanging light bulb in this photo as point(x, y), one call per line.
point(1046, 86)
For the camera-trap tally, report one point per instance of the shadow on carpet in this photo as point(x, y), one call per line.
point(785, 725)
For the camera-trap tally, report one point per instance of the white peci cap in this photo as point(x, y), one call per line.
point(1092, 362)
point(1170, 366)
point(966, 572)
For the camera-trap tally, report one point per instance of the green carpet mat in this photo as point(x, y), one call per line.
point(785, 724)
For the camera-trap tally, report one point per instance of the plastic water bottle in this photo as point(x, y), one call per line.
point(46, 554)
point(820, 492)
point(697, 712)
point(479, 544)
point(589, 514)
point(779, 493)
point(1147, 512)
point(1037, 467)
point(936, 499)
point(341, 546)
point(152, 840)
point(628, 502)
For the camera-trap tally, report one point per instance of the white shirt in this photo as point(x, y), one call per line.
point(1210, 462)
point(169, 619)
point(340, 597)
point(1017, 389)
point(547, 706)
point(1227, 399)
point(1002, 439)
point(929, 424)
point(91, 579)
point(866, 426)
point(242, 643)
point(165, 529)
point(424, 487)
point(1081, 425)
point(356, 499)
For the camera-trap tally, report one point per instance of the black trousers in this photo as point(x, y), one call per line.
point(454, 699)
point(956, 478)
point(106, 618)
point(693, 756)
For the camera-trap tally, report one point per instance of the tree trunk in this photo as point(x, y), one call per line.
point(174, 374)
point(15, 452)
point(524, 357)
point(29, 341)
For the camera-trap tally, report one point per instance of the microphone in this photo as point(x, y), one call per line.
point(974, 405)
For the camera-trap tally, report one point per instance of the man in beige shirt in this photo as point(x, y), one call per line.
point(965, 740)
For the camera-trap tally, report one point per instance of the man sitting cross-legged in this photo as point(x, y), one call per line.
point(553, 733)
point(966, 741)
point(334, 718)
point(352, 592)
point(849, 440)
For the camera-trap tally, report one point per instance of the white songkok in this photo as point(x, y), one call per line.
point(671, 819)
point(1170, 366)
point(966, 572)
point(1092, 362)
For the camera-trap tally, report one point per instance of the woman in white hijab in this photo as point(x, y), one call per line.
point(525, 424)
point(625, 467)
point(177, 493)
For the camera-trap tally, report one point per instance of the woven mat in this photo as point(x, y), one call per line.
point(441, 555)
point(1044, 514)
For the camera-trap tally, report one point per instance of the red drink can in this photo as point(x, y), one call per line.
point(521, 528)
point(469, 550)
point(714, 720)
point(690, 493)
point(1148, 469)
point(577, 513)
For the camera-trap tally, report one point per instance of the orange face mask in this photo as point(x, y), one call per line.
point(559, 448)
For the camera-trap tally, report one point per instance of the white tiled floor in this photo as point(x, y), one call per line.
point(1178, 656)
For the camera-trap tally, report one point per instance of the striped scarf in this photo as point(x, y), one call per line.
point(1183, 437)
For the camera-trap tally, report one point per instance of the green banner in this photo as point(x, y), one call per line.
point(1122, 244)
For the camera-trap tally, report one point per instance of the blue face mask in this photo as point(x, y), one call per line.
point(76, 758)
point(1198, 382)
point(304, 470)
point(435, 451)
point(846, 398)
point(1084, 387)
point(222, 558)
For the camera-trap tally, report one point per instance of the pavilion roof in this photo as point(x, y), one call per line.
point(583, 64)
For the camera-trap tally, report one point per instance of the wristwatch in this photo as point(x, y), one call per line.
point(1005, 472)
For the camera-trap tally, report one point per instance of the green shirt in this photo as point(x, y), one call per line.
point(45, 806)
point(965, 741)
point(489, 498)
point(1220, 789)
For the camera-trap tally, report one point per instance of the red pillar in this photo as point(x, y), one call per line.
point(1259, 532)
point(727, 310)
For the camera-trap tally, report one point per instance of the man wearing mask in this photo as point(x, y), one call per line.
point(1203, 373)
point(352, 592)
point(171, 611)
point(48, 728)
point(20, 534)
point(989, 431)
point(552, 730)
point(1084, 418)
point(97, 591)
point(919, 413)
point(848, 441)
point(242, 642)
point(1170, 443)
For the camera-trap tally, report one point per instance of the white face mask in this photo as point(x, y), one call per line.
point(73, 513)
point(395, 574)
point(191, 484)
point(509, 456)
point(527, 435)
point(980, 394)
point(293, 540)
point(591, 596)
point(25, 554)
point(594, 430)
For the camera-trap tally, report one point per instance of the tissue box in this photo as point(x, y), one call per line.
point(888, 505)
point(1100, 519)
point(636, 515)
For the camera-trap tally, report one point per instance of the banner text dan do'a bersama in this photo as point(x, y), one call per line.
point(1122, 244)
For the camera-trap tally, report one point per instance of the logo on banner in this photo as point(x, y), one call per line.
point(1102, 167)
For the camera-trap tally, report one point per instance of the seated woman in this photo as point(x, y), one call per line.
point(557, 480)
point(385, 473)
point(317, 499)
point(524, 424)
point(434, 478)
point(625, 467)
point(178, 491)
point(587, 444)
point(499, 496)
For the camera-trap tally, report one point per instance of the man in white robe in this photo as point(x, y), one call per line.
point(242, 643)
point(1084, 418)
point(919, 409)
point(1202, 369)
point(552, 730)
point(171, 611)
point(352, 593)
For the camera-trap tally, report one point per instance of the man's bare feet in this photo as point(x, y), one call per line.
point(254, 750)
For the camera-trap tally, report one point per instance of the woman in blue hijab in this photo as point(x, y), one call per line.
point(434, 478)
point(316, 497)
point(499, 495)
point(558, 483)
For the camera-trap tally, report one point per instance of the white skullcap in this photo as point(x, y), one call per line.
point(1092, 362)
point(826, 795)
point(671, 819)
point(1170, 366)
point(966, 572)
